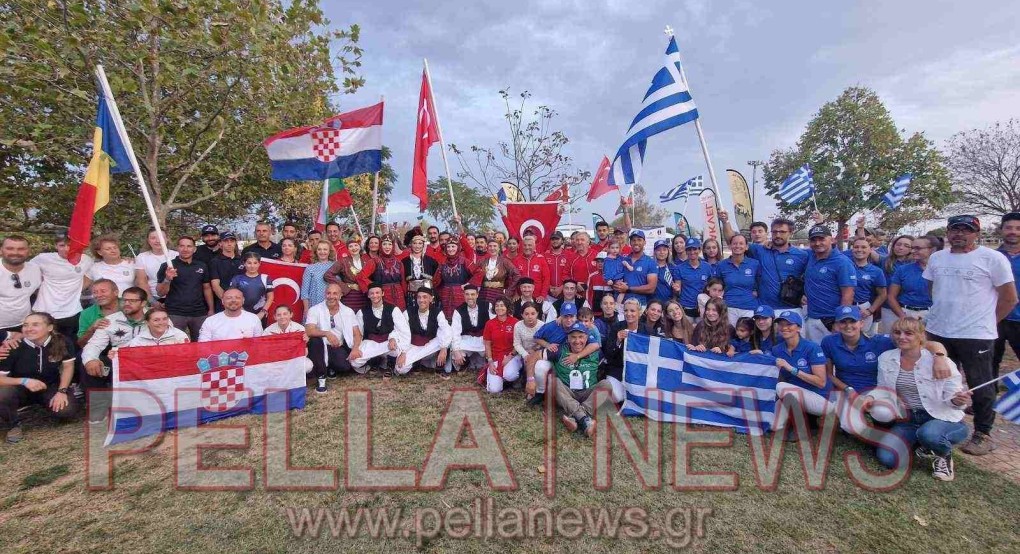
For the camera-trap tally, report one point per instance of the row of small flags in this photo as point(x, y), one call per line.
point(800, 186)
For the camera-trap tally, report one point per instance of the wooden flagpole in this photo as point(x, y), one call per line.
point(442, 144)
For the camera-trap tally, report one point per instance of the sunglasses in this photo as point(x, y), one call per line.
point(16, 279)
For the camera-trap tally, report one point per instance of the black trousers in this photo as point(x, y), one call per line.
point(1009, 331)
point(337, 359)
point(974, 358)
point(13, 397)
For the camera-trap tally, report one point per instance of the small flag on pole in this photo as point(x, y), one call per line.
point(798, 187)
point(600, 183)
point(690, 187)
point(1009, 404)
point(894, 197)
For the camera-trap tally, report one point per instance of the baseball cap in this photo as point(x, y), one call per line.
point(662, 243)
point(227, 235)
point(764, 311)
point(693, 242)
point(966, 221)
point(848, 312)
point(577, 328)
point(568, 308)
point(210, 230)
point(602, 255)
point(557, 235)
point(637, 233)
point(819, 231)
point(791, 316)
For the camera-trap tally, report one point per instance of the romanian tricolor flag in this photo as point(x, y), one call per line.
point(108, 156)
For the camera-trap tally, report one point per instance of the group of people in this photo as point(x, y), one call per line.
point(412, 299)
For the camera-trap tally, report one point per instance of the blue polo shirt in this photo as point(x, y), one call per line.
point(823, 280)
point(1014, 262)
point(554, 333)
point(896, 265)
point(858, 367)
point(913, 287)
point(643, 267)
point(692, 281)
point(869, 278)
point(739, 282)
point(803, 357)
point(663, 291)
point(775, 268)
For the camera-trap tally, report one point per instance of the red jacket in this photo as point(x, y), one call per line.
point(559, 266)
point(583, 266)
point(536, 268)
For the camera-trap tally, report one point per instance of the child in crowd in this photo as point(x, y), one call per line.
point(713, 289)
point(741, 341)
point(713, 332)
point(613, 269)
point(587, 317)
point(284, 323)
point(256, 287)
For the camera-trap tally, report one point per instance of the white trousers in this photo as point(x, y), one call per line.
point(814, 330)
point(888, 318)
point(866, 322)
point(511, 371)
point(811, 402)
point(542, 368)
point(372, 349)
point(736, 313)
point(467, 343)
point(418, 353)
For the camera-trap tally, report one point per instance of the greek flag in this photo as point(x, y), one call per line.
point(897, 192)
point(1009, 404)
point(798, 187)
point(666, 382)
point(690, 187)
point(667, 104)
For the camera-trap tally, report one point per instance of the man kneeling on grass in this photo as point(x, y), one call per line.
point(575, 383)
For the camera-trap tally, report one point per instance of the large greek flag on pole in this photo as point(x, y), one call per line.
point(667, 382)
point(667, 104)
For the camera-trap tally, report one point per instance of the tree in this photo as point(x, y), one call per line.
point(200, 84)
point(645, 213)
point(533, 159)
point(855, 152)
point(985, 168)
point(474, 207)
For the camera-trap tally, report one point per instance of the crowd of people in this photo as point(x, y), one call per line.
point(912, 318)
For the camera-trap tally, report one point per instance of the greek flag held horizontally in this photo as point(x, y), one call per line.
point(894, 197)
point(666, 382)
point(667, 104)
point(690, 187)
point(798, 187)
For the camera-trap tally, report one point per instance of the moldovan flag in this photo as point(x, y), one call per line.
point(158, 388)
point(335, 197)
point(287, 279)
point(426, 134)
point(108, 156)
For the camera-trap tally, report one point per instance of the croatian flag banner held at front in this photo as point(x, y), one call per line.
point(157, 388)
point(342, 146)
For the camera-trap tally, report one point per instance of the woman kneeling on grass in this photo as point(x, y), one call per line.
point(39, 372)
point(802, 379)
point(932, 407)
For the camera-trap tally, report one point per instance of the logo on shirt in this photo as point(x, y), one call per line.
point(704, 277)
point(789, 261)
point(199, 270)
point(77, 269)
point(866, 277)
point(126, 272)
point(823, 270)
point(801, 362)
point(870, 356)
point(747, 272)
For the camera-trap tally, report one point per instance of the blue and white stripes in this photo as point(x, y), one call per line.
point(667, 104)
point(798, 187)
point(688, 188)
point(1009, 405)
point(894, 197)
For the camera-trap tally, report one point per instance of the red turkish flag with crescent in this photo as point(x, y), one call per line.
point(286, 287)
point(426, 134)
point(541, 217)
point(600, 182)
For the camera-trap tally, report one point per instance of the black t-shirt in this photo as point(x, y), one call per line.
point(273, 251)
point(187, 295)
point(28, 360)
point(205, 254)
point(224, 269)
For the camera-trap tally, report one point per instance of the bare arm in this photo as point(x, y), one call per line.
point(894, 305)
point(1007, 300)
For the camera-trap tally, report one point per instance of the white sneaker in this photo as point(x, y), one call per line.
point(942, 468)
point(321, 388)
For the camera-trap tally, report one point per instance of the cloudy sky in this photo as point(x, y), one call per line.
point(758, 71)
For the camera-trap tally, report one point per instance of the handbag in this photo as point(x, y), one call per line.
point(791, 289)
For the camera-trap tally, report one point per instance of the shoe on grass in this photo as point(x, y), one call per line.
point(331, 374)
point(942, 468)
point(14, 435)
point(587, 426)
point(536, 400)
point(321, 386)
point(569, 422)
point(979, 444)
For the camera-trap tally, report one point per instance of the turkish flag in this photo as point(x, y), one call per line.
point(600, 183)
point(425, 136)
point(286, 287)
point(541, 217)
point(561, 194)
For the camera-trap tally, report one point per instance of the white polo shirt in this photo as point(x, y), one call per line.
point(964, 292)
point(123, 274)
point(15, 301)
point(149, 263)
point(60, 293)
point(223, 327)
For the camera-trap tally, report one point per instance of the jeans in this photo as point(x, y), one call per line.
point(937, 435)
point(974, 358)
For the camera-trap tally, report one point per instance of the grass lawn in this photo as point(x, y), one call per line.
point(44, 505)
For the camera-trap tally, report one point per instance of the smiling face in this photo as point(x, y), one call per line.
point(233, 301)
point(104, 294)
point(500, 309)
point(333, 233)
point(375, 294)
point(527, 290)
point(920, 250)
point(849, 328)
point(569, 290)
point(608, 305)
point(158, 322)
point(653, 312)
point(14, 251)
point(332, 295)
point(738, 245)
point(788, 330)
point(36, 328)
point(283, 316)
point(492, 248)
point(861, 250)
point(763, 324)
point(471, 297)
point(322, 251)
point(252, 265)
point(631, 312)
point(674, 312)
point(186, 248)
point(424, 300)
point(821, 246)
point(711, 313)
point(901, 248)
point(1010, 232)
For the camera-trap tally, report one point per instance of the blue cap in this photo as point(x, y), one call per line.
point(848, 312)
point(637, 233)
point(577, 328)
point(764, 311)
point(693, 242)
point(568, 308)
point(664, 243)
point(791, 316)
point(227, 235)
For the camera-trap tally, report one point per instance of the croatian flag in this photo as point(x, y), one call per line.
point(665, 381)
point(157, 388)
point(342, 146)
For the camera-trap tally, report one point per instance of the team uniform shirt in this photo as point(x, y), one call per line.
point(584, 266)
point(223, 327)
point(203, 253)
point(823, 282)
point(15, 301)
point(896, 265)
point(692, 281)
point(739, 282)
point(913, 287)
point(537, 268)
point(272, 251)
point(149, 263)
point(501, 335)
point(32, 361)
point(613, 269)
point(643, 267)
point(776, 266)
point(60, 292)
point(186, 296)
point(122, 274)
point(664, 286)
point(224, 269)
point(869, 278)
point(964, 289)
point(803, 357)
point(1014, 262)
point(559, 266)
point(254, 289)
point(857, 368)
point(581, 376)
point(741, 346)
point(292, 327)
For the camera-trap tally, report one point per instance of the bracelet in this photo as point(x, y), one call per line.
point(24, 381)
point(794, 370)
point(531, 379)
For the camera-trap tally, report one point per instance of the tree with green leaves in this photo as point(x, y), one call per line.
point(200, 84)
point(985, 165)
point(855, 152)
point(474, 207)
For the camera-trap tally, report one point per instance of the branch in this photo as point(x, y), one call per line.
point(191, 168)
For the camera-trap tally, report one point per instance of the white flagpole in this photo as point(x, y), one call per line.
point(358, 223)
point(442, 144)
point(119, 124)
point(375, 184)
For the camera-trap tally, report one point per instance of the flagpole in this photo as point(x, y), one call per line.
point(122, 132)
point(375, 182)
point(358, 223)
point(996, 380)
point(442, 144)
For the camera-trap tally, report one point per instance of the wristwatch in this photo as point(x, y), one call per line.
point(65, 390)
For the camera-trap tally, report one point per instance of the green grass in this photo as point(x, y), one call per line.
point(144, 513)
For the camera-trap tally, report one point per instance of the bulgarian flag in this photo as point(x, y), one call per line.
point(108, 156)
point(335, 197)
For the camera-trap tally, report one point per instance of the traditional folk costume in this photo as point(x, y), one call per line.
point(418, 272)
point(354, 275)
point(378, 326)
point(430, 333)
point(467, 328)
point(497, 278)
point(449, 280)
point(389, 273)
